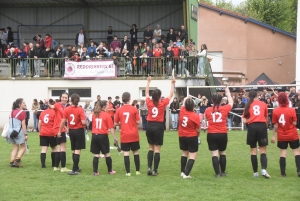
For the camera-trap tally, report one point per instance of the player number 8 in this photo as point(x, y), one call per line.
point(256, 110)
point(154, 112)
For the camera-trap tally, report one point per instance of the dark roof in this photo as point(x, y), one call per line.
point(246, 19)
point(263, 79)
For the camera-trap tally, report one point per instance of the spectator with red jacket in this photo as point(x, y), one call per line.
point(115, 44)
point(176, 51)
point(48, 41)
point(39, 40)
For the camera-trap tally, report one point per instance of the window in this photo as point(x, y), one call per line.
point(144, 92)
point(57, 92)
point(84, 93)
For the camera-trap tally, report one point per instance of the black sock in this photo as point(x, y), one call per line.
point(108, 163)
point(215, 163)
point(127, 164)
point(43, 159)
point(76, 162)
point(282, 165)
point(263, 161)
point(297, 160)
point(150, 158)
point(183, 163)
point(53, 158)
point(63, 159)
point(73, 156)
point(57, 159)
point(95, 163)
point(223, 163)
point(156, 161)
point(189, 167)
point(137, 162)
point(254, 163)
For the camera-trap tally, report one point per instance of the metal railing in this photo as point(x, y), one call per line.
point(125, 66)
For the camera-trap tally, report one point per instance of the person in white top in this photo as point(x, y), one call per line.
point(201, 54)
point(80, 38)
point(157, 33)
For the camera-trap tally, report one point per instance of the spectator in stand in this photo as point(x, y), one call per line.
point(23, 63)
point(3, 39)
point(80, 49)
point(238, 109)
point(37, 61)
point(203, 105)
point(35, 107)
point(80, 38)
point(245, 98)
point(143, 113)
point(91, 51)
point(176, 51)
point(116, 44)
point(134, 54)
point(31, 59)
point(157, 53)
point(202, 55)
point(109, 35)
point(133, 32)
point(179, 39)
point(157, 33)
point(76, 57)
point(39, 40)
point(61, 62)
point(171, 36)
point(192, 61)
point(101, 52)
point(148, 35)
point(50, 63)
point(169, 55)
point(125, 44)
point(83, 54)
point(182, 63)
point(143, 47)
point(12, 55)
point(48, 41)
point(7, 50)
point(149, 60)
point(10, 35)
point(174, 107)
point(184, 33)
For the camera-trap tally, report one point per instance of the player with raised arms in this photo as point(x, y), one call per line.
point(189, 131)
point(155, 128)
point(101, 124)
point(47, 135)
point(128, 117)
point(60, 156)
point(217, 137)
point(285, 120)
point(75, 117)
point(256, 116)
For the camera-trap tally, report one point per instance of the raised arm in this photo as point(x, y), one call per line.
point(172, 88)
point(228, 94)
point(147, 86)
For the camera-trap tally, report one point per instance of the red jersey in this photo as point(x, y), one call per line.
point(157, 52)
point(188, 123)
point(258, 112)
point(59, 112)
point(102, 123)
point(128, 115)
point(284, 117)
point(176, 51)
point(217, 120)
point(156, 113)
point(47, 118)
point(21, 116)
point(74, 115)
point(110, 107)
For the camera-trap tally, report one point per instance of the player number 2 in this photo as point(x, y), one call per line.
point(281, 119)
point(98, 123)
point(73, 118)
point(154, 112)
point(217, 117)
point(127, 117)
point(256, 110)
point(46, 118)
point(184, 121)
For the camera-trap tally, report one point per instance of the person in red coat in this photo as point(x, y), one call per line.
point(48, 41)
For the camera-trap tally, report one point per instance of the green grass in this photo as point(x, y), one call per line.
point(33, 183)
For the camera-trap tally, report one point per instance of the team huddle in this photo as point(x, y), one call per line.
point(58, 120)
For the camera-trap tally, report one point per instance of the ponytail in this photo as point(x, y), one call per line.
point(75, 98)
point(252, 95)
point(99, 107)
point(216, 99)
point(17, 103)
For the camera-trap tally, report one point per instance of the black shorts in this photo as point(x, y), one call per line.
point(257, 133)
point(155, 133)
point(77, 138)
point(189, 144)
point(62, 139)
point(100, 142)
point(284, 144)
point(217, 141)
point(133, 146)
point(45, 141)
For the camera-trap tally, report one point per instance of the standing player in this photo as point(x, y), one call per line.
point(189, 130)
point(102, 122)
point(76, 122)
point(47, 135)
point(256, 116)
point(60, 155)
point(155, 127)
point(285, 121)
point(217, 131)
point(128, 117)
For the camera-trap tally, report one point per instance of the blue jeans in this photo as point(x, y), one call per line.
point(229, 122)
point(174, 121)
point(180, 69)
point(201, 66)
point(144, 121)
point(23, 67)
point(128, 67)
point(35, 121)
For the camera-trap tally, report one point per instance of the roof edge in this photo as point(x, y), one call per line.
point(247, 19)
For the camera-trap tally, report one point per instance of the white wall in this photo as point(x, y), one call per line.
point(40, 89)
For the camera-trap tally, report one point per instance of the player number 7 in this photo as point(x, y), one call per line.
point(127, 117)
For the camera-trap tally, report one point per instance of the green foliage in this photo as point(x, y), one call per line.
point(33, 183)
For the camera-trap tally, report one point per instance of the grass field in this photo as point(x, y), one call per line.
point(34, 183)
